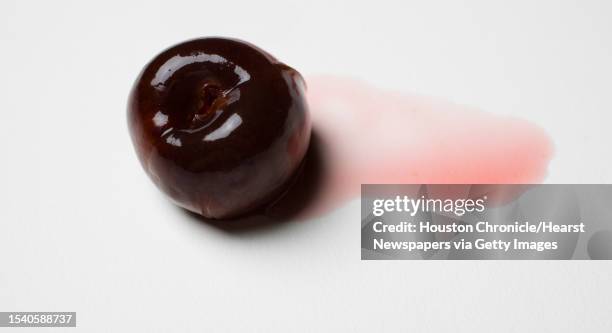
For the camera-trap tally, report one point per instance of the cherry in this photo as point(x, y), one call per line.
point(219, 125)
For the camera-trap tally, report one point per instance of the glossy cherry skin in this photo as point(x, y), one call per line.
point(219, 125)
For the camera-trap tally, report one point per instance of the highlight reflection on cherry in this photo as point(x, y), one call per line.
point(219, 125)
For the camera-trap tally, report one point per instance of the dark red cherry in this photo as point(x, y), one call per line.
point(219, 125)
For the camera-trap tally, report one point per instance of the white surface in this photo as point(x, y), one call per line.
point(82, 228)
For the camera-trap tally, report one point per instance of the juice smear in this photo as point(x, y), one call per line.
point(363, 135)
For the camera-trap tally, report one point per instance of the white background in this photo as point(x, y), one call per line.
point(83, 229)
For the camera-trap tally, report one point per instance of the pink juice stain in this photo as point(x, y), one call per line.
point(368, 136)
